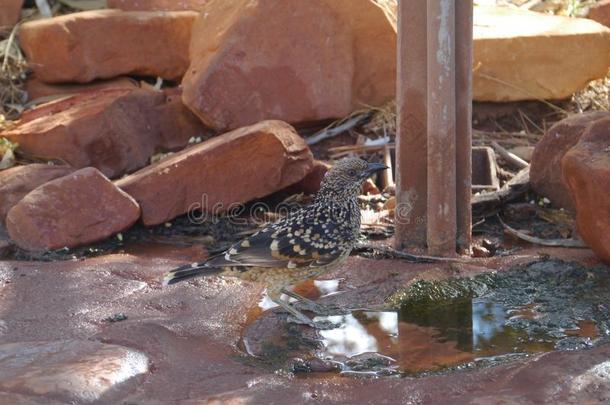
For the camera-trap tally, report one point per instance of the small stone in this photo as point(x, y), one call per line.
point(480, 251)
point(102, 44)
point(18, 181)
point(75, 371)
point(73, 210)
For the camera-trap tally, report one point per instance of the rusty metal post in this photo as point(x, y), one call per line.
point(442, 226)
point(433, 145)
point(411, 139)
point(463, 122)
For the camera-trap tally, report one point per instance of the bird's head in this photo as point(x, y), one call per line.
point(345, 178)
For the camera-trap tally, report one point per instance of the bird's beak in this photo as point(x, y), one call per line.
point(373, 168)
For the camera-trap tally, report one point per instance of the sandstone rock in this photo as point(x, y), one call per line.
point(600, 12)
point(586, 169)
point(157, 5)
point(114, 130)
point(108, 43)
point(10, 11)
point(236, 167)
point(17, 181)
point(37, 89)
point(73, 370)
point(523, 55)
point(545, 171)
point(77, 209)
point(310, 184)
point(246, 67)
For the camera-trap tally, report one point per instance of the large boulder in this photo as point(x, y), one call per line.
point(586, 168)
point(73, 210)
point(545, 171)
point(245, 66)
point(232, 168)
point(18, 181)
point(537, 60)
point(102, 44)
point(157, 5)
point(115, 130)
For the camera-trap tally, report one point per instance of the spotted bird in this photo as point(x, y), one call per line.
point(303, 245)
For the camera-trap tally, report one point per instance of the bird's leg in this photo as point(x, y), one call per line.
point(309, 305)
point(298, 316)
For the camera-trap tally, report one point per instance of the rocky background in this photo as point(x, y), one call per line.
point(119, 119)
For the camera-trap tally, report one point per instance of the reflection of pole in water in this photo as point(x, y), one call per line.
point(487, 321)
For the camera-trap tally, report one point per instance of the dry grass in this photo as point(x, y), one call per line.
point(13, 69)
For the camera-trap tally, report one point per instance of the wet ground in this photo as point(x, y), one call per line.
point(531, 327)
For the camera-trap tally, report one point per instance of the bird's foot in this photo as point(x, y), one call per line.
point(306, 304)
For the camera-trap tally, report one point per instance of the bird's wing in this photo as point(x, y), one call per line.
point(296, 242)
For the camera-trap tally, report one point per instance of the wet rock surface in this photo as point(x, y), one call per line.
point(116, 130)
point(586, 169)
point(168, 189)
point(191, 335)
point(18, 181)
point(102, 44)
point(73, 210)
point(78, 370)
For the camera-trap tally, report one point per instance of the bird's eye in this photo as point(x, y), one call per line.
point(351, 172)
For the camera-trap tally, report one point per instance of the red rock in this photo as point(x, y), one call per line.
point(76, 209)
point(102, 44)
point(114, 130)
point(600, 12)
point(369, 187)
point(545, 169)
point(37, 89)
point(18, 181)
point(236, 167)
point(157, 5)
point(10, 11)
point(246, 67)
point(311, 183)
point(586, 169)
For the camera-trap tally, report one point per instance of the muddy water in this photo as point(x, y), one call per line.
point(431, 338)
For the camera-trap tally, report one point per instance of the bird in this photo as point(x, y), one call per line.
point(305, 244)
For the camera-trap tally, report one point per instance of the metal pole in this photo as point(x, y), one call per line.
point(463, 123)
point(433, 152)
point(411, 142)
point(442, 226)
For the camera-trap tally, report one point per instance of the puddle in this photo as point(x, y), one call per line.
point(431, 338)
point(445, 325)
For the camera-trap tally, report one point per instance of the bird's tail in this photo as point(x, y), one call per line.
point(189, 271)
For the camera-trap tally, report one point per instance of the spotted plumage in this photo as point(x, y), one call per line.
point(303, 245)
